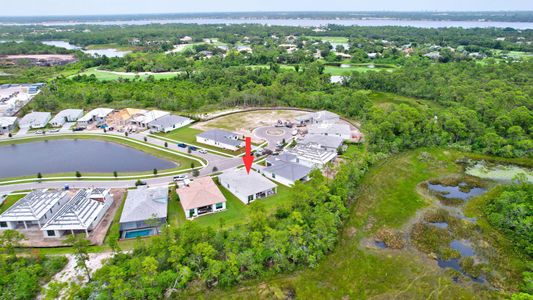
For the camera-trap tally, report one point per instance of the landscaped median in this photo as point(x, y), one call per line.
point(184, 161)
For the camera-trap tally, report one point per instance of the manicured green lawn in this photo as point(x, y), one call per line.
point(386, 99)
point(236, 212)
point(188, 134)
point(331, 39)
point(333, 70)
point(9, 201)
point(108, 76)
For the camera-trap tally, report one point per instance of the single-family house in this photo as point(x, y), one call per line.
point(220, 138)
point(286, 173)
point(35, 120)
point(142, 120)
point(7, 124)
point(97, 115)
point(312, 156)
point(67, 115)
point(81, 214)
point(34, 209)
point(201, 197)
point(323, 116)
point(144, 212)
point(168, 123)
point(186, 39)
point(326, 142)
point(124, 116)
point(341, 130)
point(247, 187)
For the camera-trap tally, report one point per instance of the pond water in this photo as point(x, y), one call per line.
point(465, 249)
point(109, 52)
point(455, 192)
point(504, 173)
point(62, 156)
point(380, 244)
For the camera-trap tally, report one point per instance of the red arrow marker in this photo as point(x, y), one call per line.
point(248, 158)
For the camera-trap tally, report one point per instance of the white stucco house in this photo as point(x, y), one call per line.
point(201, 197)
point(67, 115)
point(220, 138)
point(8, 124)
point(168, 123)
point(142, 120)
point(326, 142)
point(97, 115)
point(247, 187)
point(285, 172)
point(35, 120)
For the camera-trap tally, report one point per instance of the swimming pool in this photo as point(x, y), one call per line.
point(134, 234)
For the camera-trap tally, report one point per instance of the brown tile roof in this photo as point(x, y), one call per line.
point(200, 192)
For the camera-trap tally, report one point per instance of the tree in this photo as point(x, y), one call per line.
point(112, 241)
point(145, 139)
point(115, 174)
point(10, 135)
point(153, 221)
point(81, 254)
point(166, 145)
point(155, 172)
point(9, 240)
point(192, 165)
point(126, 133)
point(215, 169)
point(195, 173)
point(78, 174)
point(39, 176)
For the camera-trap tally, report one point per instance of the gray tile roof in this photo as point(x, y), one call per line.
point(168, 121)
point(246, 184)
point(144, 203)
point(328, 141)
point(221, 136)
point(288, 170)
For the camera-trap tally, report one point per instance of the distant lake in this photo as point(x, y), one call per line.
point(110, 52)
point(298, 22)
point(69, 156)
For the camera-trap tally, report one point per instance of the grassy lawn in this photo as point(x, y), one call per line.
point(9, 201)
point(387, 99)
point(331, 39)
point(333, 70)
point(181, 162)
point(236, 212)
point(103, 75)
point(188, 134)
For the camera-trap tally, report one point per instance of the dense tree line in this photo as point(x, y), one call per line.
point(9, 48)
point(511, 212)
point(295, 235)
point(477, 107)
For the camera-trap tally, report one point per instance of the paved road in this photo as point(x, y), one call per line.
point(213, 160)
point(273, 135)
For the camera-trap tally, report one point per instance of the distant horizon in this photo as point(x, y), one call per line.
point(267, 11)
point(50, 8)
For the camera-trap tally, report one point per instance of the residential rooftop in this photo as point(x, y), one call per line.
point(97, 112)
point(169, 120)
point(200, 192)
point(145, 203)
point(80, 212)
point(34, 205)
point(328, 141)
point(288, 170)
point(68, 114)
point(221, 136)
point(244, 183)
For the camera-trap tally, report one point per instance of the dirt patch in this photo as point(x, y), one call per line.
point(245, 122)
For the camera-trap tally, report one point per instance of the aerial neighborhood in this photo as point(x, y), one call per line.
point(287, 151)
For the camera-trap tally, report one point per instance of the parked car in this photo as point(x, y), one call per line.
point(193, 148)
point(39, 132)
point(180, 177)
point(53, 130)
point(182, 145)
point(78, 129)
point(203, 151)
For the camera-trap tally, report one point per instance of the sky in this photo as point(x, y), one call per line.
point(99, 7)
